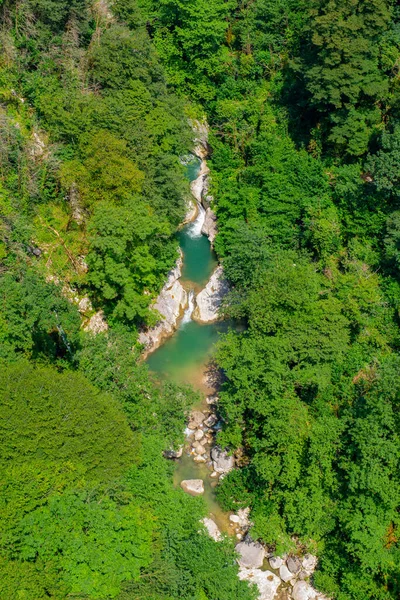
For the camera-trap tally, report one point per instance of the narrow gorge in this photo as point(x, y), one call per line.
point(180, 347)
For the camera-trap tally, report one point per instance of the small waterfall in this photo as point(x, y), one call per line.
point(187, 317)
point(194, 230)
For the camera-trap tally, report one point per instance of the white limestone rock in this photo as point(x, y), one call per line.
point(210, 225)
point(243, 514)
point(267, 582)
point(309, 564)
point(251, 554)
point(304, 591)
point(170, 303)
point(96, 324)
point(199, 184)
point(275, 562)
point(294, 564)
point(222, 463)
point(209, 300)
point(212, 529)
point(194, 487)
point(191, 212)
point(285, 574)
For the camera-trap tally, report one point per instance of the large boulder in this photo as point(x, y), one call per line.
point(222, 463)
point(194, 487)
point(275, 562)
point(309, 564)
point(196, 419)
point(170, 303)
point(209, 300)
point(251, 554)
point(266, 582)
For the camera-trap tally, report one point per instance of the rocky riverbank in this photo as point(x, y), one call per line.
point(286, 577)
point(173, 298)
point(170, 304)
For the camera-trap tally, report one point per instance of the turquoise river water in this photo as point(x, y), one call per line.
point(184, 356)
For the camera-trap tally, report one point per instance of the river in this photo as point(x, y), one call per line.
point(185, 355)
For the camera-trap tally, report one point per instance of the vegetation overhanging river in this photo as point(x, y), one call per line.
point(185, 355)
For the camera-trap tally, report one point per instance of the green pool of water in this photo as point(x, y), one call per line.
point(183, 356)
point(192, 167)
point(199, 261)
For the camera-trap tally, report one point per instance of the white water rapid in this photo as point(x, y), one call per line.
point(187, 317)
point(194, 231)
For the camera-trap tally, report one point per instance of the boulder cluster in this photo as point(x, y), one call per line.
point(287, 577)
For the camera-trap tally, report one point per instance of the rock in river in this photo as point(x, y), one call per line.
point(222, 463)
point(266, 582)
point(194, 487)
point(251, 554)
point(293, 564)
point(196, 419)
point(275, 562)
point(285, 574)
point(209, 300)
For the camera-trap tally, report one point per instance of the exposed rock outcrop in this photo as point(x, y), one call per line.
point(191, 212)
point(97, 323)
point(267, 582)
point(200, 130)
point(304, 591)
point(209, 300)
point(198, 185)
point(170, 303)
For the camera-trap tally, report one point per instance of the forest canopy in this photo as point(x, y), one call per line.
point(302, 99)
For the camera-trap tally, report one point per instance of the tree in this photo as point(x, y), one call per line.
point(62, 417)
point(341, 67)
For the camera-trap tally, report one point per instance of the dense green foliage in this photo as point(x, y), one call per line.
point(302, 99)
point(303, 103)
point(91, 194)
